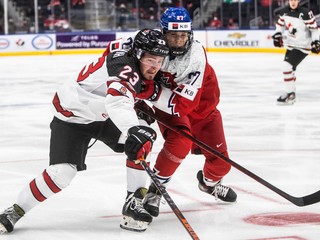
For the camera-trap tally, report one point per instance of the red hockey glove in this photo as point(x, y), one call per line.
point(315, 46)
point(141, 115)
point(139, 142)
point(277, 40)
point(150, 90)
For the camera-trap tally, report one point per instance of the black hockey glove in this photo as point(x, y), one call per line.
point(277, 40)
point(139, 142)
point(141, 115)
point(315, 46)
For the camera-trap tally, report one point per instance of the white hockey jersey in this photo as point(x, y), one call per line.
point(301, 27)
point(187, 78)
point(103, 89)
point(189, 83)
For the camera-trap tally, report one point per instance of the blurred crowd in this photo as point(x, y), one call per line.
point(66, 15)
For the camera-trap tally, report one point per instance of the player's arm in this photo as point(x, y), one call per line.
point(311, 24)
point(120, 105)
point(280, 24)
point(123, 83)
point(280, 28)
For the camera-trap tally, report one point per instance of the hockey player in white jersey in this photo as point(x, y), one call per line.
point(302, 36)
point(97, 104)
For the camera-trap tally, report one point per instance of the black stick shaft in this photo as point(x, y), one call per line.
point(169, 200)
point(298, 201)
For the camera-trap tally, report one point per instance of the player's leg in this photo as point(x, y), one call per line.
point(174, 151)
point(292, 59)
point(210, 131)
point(134, 216)
point(51, 181)
point(68, 148)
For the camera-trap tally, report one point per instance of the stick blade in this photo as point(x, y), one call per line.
point(309, 199)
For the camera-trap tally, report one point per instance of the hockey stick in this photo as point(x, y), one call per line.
point(298, 201)
point(169, 200)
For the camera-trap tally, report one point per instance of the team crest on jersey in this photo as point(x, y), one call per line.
point(291, 29)
point(123, 90)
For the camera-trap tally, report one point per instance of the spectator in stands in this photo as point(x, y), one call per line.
point(56, 24)
point(78, 2)
point(123, 16)
point(11, 26)
point(215, 22)
point(54, 3)
point(231, 24)
point(191, 6)
point(49, 23)
point(152, 15)
point(164, 4)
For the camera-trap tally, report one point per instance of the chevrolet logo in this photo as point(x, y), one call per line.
point(237, 35)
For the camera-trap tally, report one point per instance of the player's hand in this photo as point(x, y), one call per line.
point(139, 142)
point(141, 115)
point(150, 91)
point(315, 46)
point(277, 40)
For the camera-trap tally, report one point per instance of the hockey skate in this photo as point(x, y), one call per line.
point(152, 201)
point(9, 218)
point(287, 99)
point(135, 217)
point(221, 192)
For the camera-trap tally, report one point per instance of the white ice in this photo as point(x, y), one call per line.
point(281, 144)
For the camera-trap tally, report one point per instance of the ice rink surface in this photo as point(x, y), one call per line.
point(281, 144)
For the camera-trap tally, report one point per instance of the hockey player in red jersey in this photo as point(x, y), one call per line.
point(188, 99)
point(302, 35)
point(97, 104)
